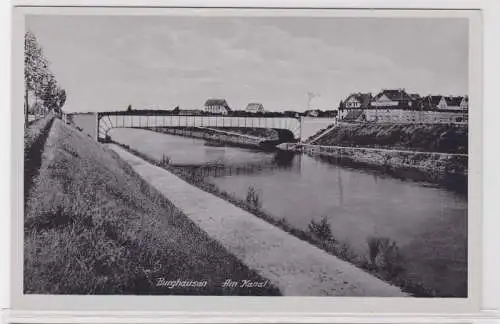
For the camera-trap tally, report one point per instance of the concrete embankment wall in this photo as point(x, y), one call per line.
point(211, 135)
point(445, 138)
point(432, 166)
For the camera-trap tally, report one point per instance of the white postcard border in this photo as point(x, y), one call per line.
point(225, 309)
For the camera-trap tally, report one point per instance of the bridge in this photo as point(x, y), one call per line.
point(288, 127)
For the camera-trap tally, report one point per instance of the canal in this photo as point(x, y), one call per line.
point(427, 222)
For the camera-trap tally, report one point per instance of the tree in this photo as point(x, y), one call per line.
point(341, 105)
point(35, 68)
point(61, 98)
point(129, 108)
point(38, 79)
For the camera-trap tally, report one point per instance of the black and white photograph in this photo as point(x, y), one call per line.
point(247, 155)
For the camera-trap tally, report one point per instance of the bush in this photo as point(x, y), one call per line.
point(165, 159)
point(253, 198)
point(321, 229)
point(374, 248)
point(385, 255)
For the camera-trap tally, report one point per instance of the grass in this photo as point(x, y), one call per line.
point(390, 265)
point(93, 226)
point(35, 136)
point(445, 138)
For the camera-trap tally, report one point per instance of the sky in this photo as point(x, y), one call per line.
point(106, 63)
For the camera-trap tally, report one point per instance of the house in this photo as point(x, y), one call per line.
point(254, 108)
point(443, 103)
point(217, 106)
point(429, 102)
point(464, 105)
point(392, 98)
point(355, 101)
point(455, 103)
point(358, 101)
point(415, 96)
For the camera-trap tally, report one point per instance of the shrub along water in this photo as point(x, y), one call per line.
point(253, 198)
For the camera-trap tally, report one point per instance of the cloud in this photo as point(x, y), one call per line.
point(112, 61)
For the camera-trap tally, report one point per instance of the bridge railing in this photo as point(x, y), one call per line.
point(107, 121)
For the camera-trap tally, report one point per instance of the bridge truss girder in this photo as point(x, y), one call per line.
point(108, 121)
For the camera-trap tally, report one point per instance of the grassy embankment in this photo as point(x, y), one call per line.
point(444, 138)
point(35, 136)
point(383, 258)
point(93, 226)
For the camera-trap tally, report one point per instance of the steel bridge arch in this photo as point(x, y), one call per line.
point(110, 120)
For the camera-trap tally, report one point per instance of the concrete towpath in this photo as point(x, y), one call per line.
point(294, 266)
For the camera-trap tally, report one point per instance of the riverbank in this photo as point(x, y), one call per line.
point(444, 168)
point(440, 138)
point(94, 226)
point(293, 265)
point(212, 135)
point(394, 271)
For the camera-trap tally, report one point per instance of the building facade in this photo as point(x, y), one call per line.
point(397, 106)
point(254, 108)
point(217, 107)
point(354, 102)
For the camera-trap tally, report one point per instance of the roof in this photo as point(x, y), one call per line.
point(363, 98)
point(394, 94)
point(433, 100)
point(429, 101)
point(453, 101)
point(216, 102)
point(255, 105)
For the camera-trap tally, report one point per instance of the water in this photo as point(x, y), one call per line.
point(428, 223)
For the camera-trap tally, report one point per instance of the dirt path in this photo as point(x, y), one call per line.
point(294, 266)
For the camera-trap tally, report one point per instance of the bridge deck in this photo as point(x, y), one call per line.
point(107, 121)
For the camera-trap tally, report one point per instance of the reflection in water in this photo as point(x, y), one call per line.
point(358, 203)
point(341, 188)
point(284, 159)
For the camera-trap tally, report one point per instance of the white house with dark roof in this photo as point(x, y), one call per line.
point(254, 107)
point(392, 98)
point(217, 106)
point(358, 100)
point(353, 103)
